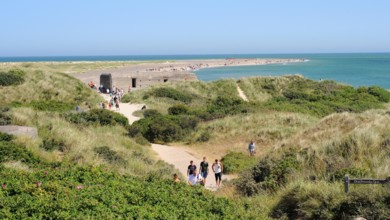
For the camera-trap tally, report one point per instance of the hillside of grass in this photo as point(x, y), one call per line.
point(309, 134)
point(84, 164)
point(91, 164)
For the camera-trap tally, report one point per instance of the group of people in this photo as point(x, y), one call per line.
point(113, 101)
point(195, 176)
point(116, 95)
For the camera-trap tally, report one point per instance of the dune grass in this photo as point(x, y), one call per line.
point(79, 142)
point(235, 132)
point(308, 135)
point(42, 99)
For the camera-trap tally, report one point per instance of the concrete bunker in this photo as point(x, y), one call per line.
point(106, 81)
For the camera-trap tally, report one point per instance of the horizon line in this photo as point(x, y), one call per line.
point(195, 54)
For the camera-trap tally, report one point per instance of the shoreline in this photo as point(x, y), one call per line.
point(147, 73)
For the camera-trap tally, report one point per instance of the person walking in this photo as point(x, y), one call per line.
point(251, 148)
point(218, 170)
point(204, 169)
point(191, 168)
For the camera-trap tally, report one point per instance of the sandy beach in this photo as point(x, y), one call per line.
point(149, 73)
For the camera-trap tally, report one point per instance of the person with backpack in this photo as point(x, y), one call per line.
point(218, 170)
point(204, 170)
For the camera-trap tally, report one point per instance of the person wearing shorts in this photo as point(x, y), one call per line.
point(217, 169)
point(204, 169)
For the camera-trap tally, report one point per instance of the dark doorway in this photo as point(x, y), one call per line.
point(133, 82)
point(106, 81)
point(165, 80)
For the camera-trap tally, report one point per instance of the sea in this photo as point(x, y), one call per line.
point(356, 69)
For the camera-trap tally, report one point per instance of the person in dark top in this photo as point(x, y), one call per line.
point(191, 168)
point(204, 169)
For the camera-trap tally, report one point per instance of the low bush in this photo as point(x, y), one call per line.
point(364, 203)
point(158, 128)
point(308, 202)
point(172, 94)
point(319, 98)
point(109, 155)
point(204, 137)
point(268, 175)
point(4, 118)
point(51, 144)
point(72, 192)
point(224, 106)
point(323, 201)
point(12, 77)
point(236, 162)
point(6, 137)
point(178, 110)
point(10, 151)
point(380, 93)
point(99, 116)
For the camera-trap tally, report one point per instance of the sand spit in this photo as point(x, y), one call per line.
point(143, 74)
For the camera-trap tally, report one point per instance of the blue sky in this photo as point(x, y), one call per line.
point(118, 27)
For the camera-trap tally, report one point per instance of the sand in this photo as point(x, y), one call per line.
point(178, 70)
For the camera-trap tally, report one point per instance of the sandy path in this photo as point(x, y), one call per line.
point(181, 158)
point(177, 156)
point(242, 94)
point(126, 109)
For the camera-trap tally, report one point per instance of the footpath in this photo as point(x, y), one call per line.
point(177, 156)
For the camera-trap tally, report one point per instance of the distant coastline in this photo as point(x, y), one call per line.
point(144, 74)
point(167, 57)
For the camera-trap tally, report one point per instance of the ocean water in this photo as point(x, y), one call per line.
point(351, 69)
point(357, 69)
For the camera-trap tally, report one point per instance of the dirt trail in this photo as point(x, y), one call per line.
point(242, 94)
point(177, 156)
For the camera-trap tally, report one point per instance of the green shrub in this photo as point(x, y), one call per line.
point(308, 202)
point(4, 118)
point(365, 203)
point(163, 130)
point(172, 94)
point(268, 175)
point(12, 77)
point(381, 94)
point(235, 162)
point(204, 137)
point(6, 137)
point(324, 98)
point(99, 116)
point(109, 155)
point(178, 110)
point(67, 191)
point(10, 151)
point(158, 128)
point(151, 113)
point(51, 144)
point(224, 106)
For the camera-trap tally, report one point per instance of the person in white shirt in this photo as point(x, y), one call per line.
point(193, 179)
point(218, 170)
